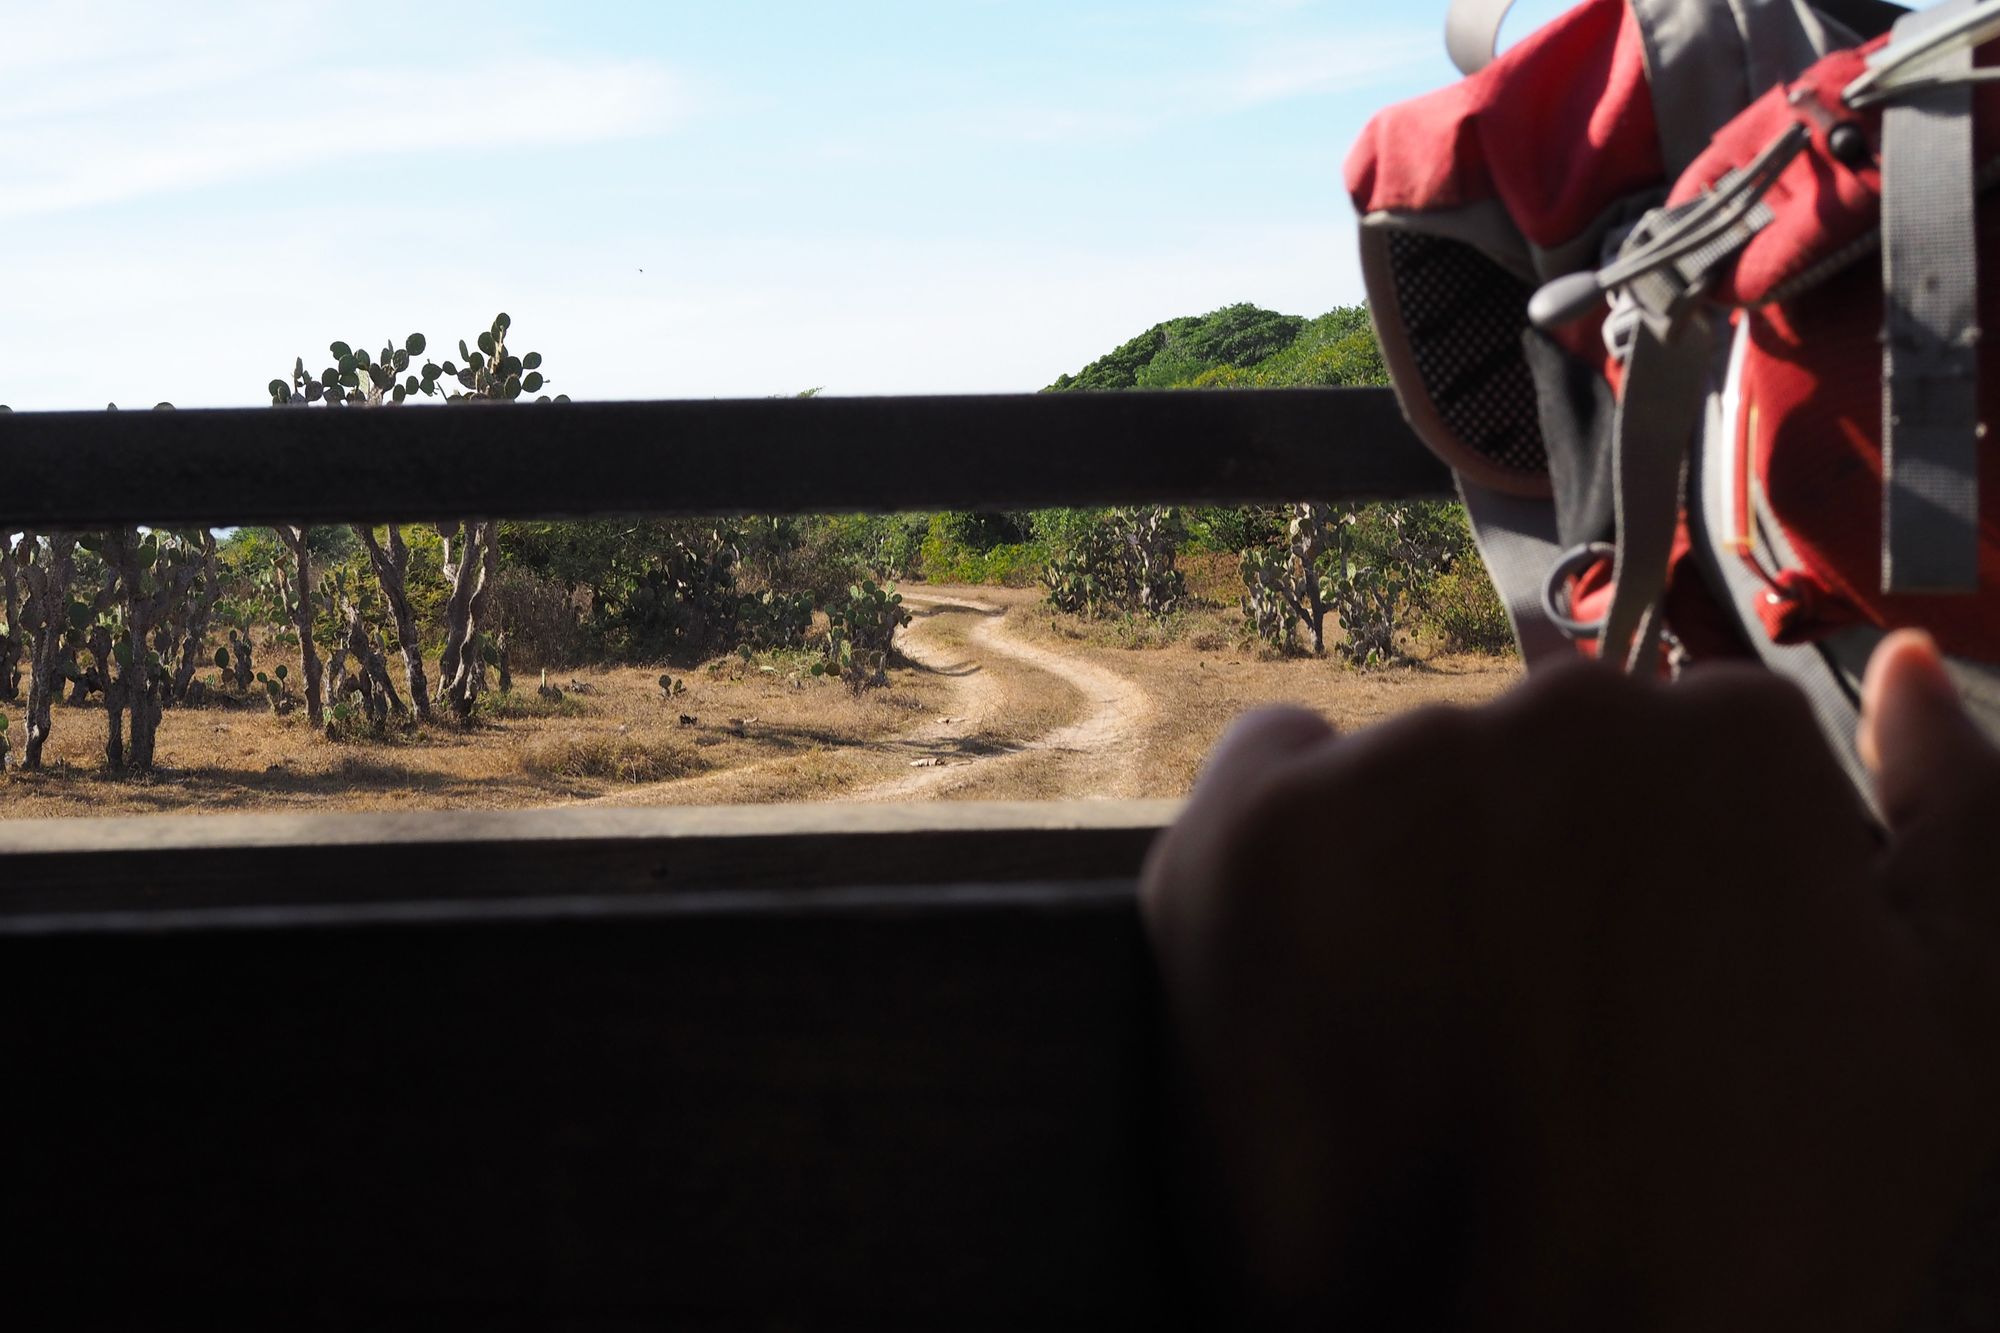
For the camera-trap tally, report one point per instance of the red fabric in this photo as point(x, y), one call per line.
point(1556, 130)
point(1820, 203)
point(1699, 621)
point(1590, 600)
point(1812, 403)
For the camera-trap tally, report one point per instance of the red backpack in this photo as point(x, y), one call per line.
point(1685, 291)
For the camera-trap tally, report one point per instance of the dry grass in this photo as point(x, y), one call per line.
point(972, 721)
point(611, 742)
point(1201, 671)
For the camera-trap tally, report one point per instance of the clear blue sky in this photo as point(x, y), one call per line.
point(926, 196)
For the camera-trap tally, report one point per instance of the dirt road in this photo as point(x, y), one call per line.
point(970, 641)
point(997, 698)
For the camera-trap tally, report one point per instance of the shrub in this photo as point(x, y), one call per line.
point(770, 620)
point(1114, 561)
point(861, 634)
point(1465, 613)
point(957, 548)
point(682, 604)
point(549, 701)
point(1234, 528)
point(1371, 568)
point(540, 619)
point(830, 552)
point(610, 756)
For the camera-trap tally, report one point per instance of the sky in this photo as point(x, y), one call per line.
point(672, 200)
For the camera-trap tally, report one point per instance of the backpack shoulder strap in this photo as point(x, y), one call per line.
point(1930, 342)
point(1706, 60)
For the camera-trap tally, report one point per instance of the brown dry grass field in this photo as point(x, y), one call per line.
point(997, 698)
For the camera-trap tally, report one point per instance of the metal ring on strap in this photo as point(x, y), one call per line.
point(1555, 592)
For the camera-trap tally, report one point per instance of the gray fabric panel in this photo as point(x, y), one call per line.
point(1517, 540)
point(1782, 38)
point(1472, 32)
point(1696, 68)
point(1930, 353)
point(1704, 70)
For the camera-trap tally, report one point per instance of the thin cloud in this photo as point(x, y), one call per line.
point(1251, 12)
point(1336, 64)
point(161, 108)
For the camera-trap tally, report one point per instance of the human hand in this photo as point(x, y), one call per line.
point(1602, 1006)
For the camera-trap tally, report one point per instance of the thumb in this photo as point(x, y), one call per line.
point(1915, 735)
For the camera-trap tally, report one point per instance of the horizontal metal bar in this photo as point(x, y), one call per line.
point(846, 901)
point(154, 863)
point(767, 456)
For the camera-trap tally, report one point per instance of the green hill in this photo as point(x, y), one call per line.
point(1240, 346)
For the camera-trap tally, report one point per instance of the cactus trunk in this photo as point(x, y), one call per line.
point(113, 691)
point(300, 603)
point(392, 567)
point(11, 643)
point(472, 575)
point(194, 634)
point(149, 585)
point(47, 566)
point(370, 678)
point(72, 642)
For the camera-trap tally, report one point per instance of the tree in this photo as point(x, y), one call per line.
point(294, 589)
point(1284, 586)
point(488, 372)
point(145, 587)
point(46, 564)
point(11, 646)
point(369, 681)
point(190, 615)
point(390, 560)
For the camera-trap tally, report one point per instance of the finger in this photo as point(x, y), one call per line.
point(1237, 771)
point(1915, 735)
point(1256, 741)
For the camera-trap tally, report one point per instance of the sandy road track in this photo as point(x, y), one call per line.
point(1094, 755)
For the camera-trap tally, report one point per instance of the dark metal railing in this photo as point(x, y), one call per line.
point(768, 456)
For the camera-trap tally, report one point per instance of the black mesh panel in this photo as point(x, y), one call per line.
point(1464, 315)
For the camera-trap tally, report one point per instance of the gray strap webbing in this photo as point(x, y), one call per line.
point(1930, 334)
point(1664, 397)
point(1472, 32)
point(1702, 70)
point(1517, 540)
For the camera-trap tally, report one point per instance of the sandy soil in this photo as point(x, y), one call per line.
point(997, 697)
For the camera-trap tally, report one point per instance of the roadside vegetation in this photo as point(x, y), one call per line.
point(417, 635)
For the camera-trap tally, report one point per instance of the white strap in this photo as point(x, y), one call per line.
point(1472, 32)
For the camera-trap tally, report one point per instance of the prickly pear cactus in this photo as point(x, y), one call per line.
point(1285, 588)
point(861, 634)
point(1267, 601)
point(363, 378)
point(771, 619)
point(1124, 564)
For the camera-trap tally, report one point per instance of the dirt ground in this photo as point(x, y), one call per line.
point(997, 698)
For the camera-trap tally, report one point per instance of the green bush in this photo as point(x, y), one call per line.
point(945, 555)
point(1463, 610)
point(1113, 561)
